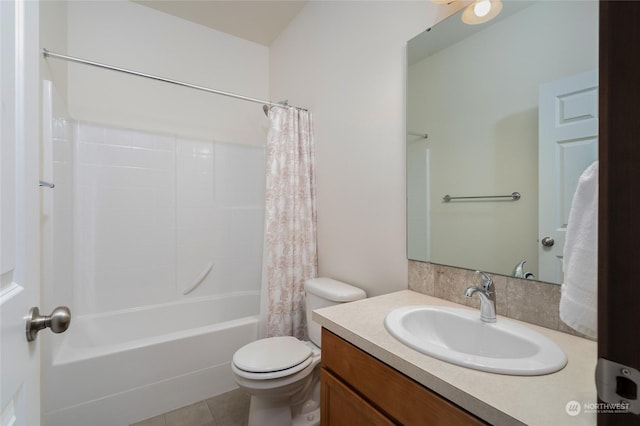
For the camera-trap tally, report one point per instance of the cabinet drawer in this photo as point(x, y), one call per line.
point(341, 406)
point(399, 397)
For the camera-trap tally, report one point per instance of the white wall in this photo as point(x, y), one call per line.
point(136, 37)
point(53, 36)
point(345, 61)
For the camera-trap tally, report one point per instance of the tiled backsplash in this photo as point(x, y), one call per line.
point(531, 301)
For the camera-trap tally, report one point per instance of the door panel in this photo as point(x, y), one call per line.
point(568, 144)
point(19, 214)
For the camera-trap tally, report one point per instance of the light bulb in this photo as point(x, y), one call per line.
point(481, 11)
point(482, 8)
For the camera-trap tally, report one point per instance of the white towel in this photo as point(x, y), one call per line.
point(579, 297)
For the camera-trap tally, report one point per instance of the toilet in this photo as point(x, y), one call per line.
point(282, 373)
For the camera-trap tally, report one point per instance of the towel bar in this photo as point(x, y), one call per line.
point(515, 196)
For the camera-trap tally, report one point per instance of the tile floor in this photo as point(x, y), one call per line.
point(228, 409)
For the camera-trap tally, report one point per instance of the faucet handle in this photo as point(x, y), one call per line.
point(487, 282)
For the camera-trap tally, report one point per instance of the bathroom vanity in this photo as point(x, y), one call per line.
point(359, 389)
point(370, 378)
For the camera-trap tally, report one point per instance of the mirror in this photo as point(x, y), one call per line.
point(477, 92)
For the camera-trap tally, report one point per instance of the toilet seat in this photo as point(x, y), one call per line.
point(272, 358)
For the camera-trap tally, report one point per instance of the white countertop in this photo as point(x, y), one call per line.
point(496, 398)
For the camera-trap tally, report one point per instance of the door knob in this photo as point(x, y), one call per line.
point(547, 242)
point(58, 321)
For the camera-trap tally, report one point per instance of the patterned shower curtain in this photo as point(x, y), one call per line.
point(290, 243)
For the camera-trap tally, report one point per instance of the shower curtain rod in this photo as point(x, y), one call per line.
point(49, 54)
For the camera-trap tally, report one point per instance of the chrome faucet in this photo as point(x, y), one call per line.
point(487, 293)
point(519, 272)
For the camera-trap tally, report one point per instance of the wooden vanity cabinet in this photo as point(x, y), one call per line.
point(358, 389)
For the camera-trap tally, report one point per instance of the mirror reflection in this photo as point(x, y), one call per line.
point(508, 106)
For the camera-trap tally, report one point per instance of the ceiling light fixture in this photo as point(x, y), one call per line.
point(481, 11)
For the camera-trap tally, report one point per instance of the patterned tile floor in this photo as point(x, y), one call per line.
point(228, 409)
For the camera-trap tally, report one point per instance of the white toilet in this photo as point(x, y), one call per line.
point(282, 373)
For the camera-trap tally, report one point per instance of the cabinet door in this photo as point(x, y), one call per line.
point(401, 398)
point(343, 407)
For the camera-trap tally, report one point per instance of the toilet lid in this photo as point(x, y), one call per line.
point(271, 354)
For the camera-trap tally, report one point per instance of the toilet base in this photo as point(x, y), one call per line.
point(309, 419)
point(266, 413)
point(285, 411)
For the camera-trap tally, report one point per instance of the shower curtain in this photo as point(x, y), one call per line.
point(290, 242)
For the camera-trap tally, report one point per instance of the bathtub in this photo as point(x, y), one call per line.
point(123, 367)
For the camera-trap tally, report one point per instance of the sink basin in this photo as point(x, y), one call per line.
point(458, 336)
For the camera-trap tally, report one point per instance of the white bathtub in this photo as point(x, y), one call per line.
point(122, 367)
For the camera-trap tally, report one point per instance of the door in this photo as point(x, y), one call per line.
point(19, 211)
point(618, 226)
point(568, 144)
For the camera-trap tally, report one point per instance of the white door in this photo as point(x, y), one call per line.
point(19, 211)
point(568, 144)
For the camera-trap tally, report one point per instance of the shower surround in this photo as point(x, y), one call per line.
point(155, 243)
point(154, 211)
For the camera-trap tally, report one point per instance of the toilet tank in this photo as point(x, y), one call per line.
point(323, 292)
